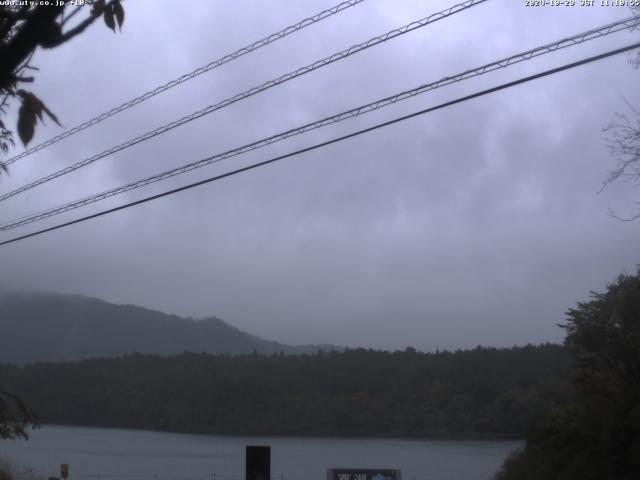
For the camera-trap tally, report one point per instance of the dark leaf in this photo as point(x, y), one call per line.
point(97, 8)
point(30, 101)
point(26, 123)
point(119, 13)
point(50, 113)
point(109, 19)
point(38, 107)
point(35, 104)
point(31, 110)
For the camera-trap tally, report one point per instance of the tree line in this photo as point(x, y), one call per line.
point(479, 392)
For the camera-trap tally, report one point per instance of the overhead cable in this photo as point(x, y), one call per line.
point(330, 142)
point(252, 91)
point(354, 112)
point(184, 78)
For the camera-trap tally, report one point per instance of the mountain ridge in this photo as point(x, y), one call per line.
point(47, 326)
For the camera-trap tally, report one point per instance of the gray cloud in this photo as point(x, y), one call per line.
point(478, 224)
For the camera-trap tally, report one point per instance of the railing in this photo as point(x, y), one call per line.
point(31, 474)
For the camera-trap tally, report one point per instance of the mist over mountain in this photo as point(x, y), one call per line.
point(52, 327)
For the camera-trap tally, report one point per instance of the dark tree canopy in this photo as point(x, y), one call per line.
point(484, 392)
point(603, 336)
point(15, 416)
point(597, 435)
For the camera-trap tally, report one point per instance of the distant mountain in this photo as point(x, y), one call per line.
point(50, 327)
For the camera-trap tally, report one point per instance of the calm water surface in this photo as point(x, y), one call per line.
point(114, 454)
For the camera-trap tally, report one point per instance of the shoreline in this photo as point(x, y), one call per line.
point(451, 437)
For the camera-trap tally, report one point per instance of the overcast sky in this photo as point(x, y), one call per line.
point(476, 224)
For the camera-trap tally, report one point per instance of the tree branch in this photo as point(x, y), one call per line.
point(624, 219)
point(71, 15)
point(12, 18)
point(81, 27)
point(36, 29)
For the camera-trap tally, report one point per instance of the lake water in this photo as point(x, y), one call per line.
point(115, 454)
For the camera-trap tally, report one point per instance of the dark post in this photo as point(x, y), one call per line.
point(258, 462)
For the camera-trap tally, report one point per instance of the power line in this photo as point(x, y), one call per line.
point(184, 78)
point(354, 112)
point(252, 91)
point(332, 141)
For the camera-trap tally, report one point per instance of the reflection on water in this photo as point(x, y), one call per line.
point(114, 454)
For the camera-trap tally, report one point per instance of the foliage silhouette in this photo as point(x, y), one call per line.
point(474, 393)
point(597, 435)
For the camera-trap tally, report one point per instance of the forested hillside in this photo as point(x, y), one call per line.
point(480, 392)
point(53, 327)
